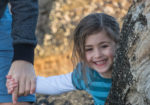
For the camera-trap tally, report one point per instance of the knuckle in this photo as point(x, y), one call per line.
point(27, 91)
point(21, 93)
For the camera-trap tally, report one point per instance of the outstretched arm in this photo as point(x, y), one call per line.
point(50, 85)
point(54, 84)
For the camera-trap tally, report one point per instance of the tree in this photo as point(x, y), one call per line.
point(131, 75)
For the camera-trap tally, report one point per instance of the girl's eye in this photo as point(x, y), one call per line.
point(88, 49)
point(104, 46)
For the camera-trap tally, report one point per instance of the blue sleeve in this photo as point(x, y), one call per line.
point(24, 13)
point(77, 78)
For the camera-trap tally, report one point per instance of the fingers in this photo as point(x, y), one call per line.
point(11, 84)
point(27, 89)
point(33, 86)
point(8, 76)
point(11, 88)
point(22, 71)
point(22, 83)
point(15, 95)
point(24, 88)
point(30, 87)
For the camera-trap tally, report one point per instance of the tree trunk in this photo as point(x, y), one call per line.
point(131, 75)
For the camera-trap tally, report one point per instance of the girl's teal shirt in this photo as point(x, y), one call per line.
point(96, 85)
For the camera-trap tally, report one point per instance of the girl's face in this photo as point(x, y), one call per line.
point(100, 51)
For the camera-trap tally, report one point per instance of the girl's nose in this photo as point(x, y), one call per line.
point(97, 53)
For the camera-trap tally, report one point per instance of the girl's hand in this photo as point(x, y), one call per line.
point(11, 84)
point(23, 73)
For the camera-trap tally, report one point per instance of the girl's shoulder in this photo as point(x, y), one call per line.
point(82, 70)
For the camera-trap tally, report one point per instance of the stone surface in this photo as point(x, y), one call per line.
point(71, 98)
point(131, 76)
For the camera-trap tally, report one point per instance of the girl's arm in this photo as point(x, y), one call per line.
point(54, 84)
point(51, 85)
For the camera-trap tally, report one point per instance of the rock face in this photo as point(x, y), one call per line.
point(131, 76)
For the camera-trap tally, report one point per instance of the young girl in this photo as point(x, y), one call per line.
point(95, 41)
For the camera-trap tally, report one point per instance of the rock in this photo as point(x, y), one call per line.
point(70, 98)
point(131, 76)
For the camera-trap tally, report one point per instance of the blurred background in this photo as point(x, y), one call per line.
point(56, 22)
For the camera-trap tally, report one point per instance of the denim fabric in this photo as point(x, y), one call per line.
point(6, 55)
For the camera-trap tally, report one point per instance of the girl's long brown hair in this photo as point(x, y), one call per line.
point(91, 24)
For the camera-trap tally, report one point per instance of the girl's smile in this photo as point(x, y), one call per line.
point(100, 63)
point(100, 50)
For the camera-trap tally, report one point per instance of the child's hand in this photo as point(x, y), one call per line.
point(11, 84)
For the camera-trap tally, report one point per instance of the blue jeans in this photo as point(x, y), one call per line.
point(6, 55)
